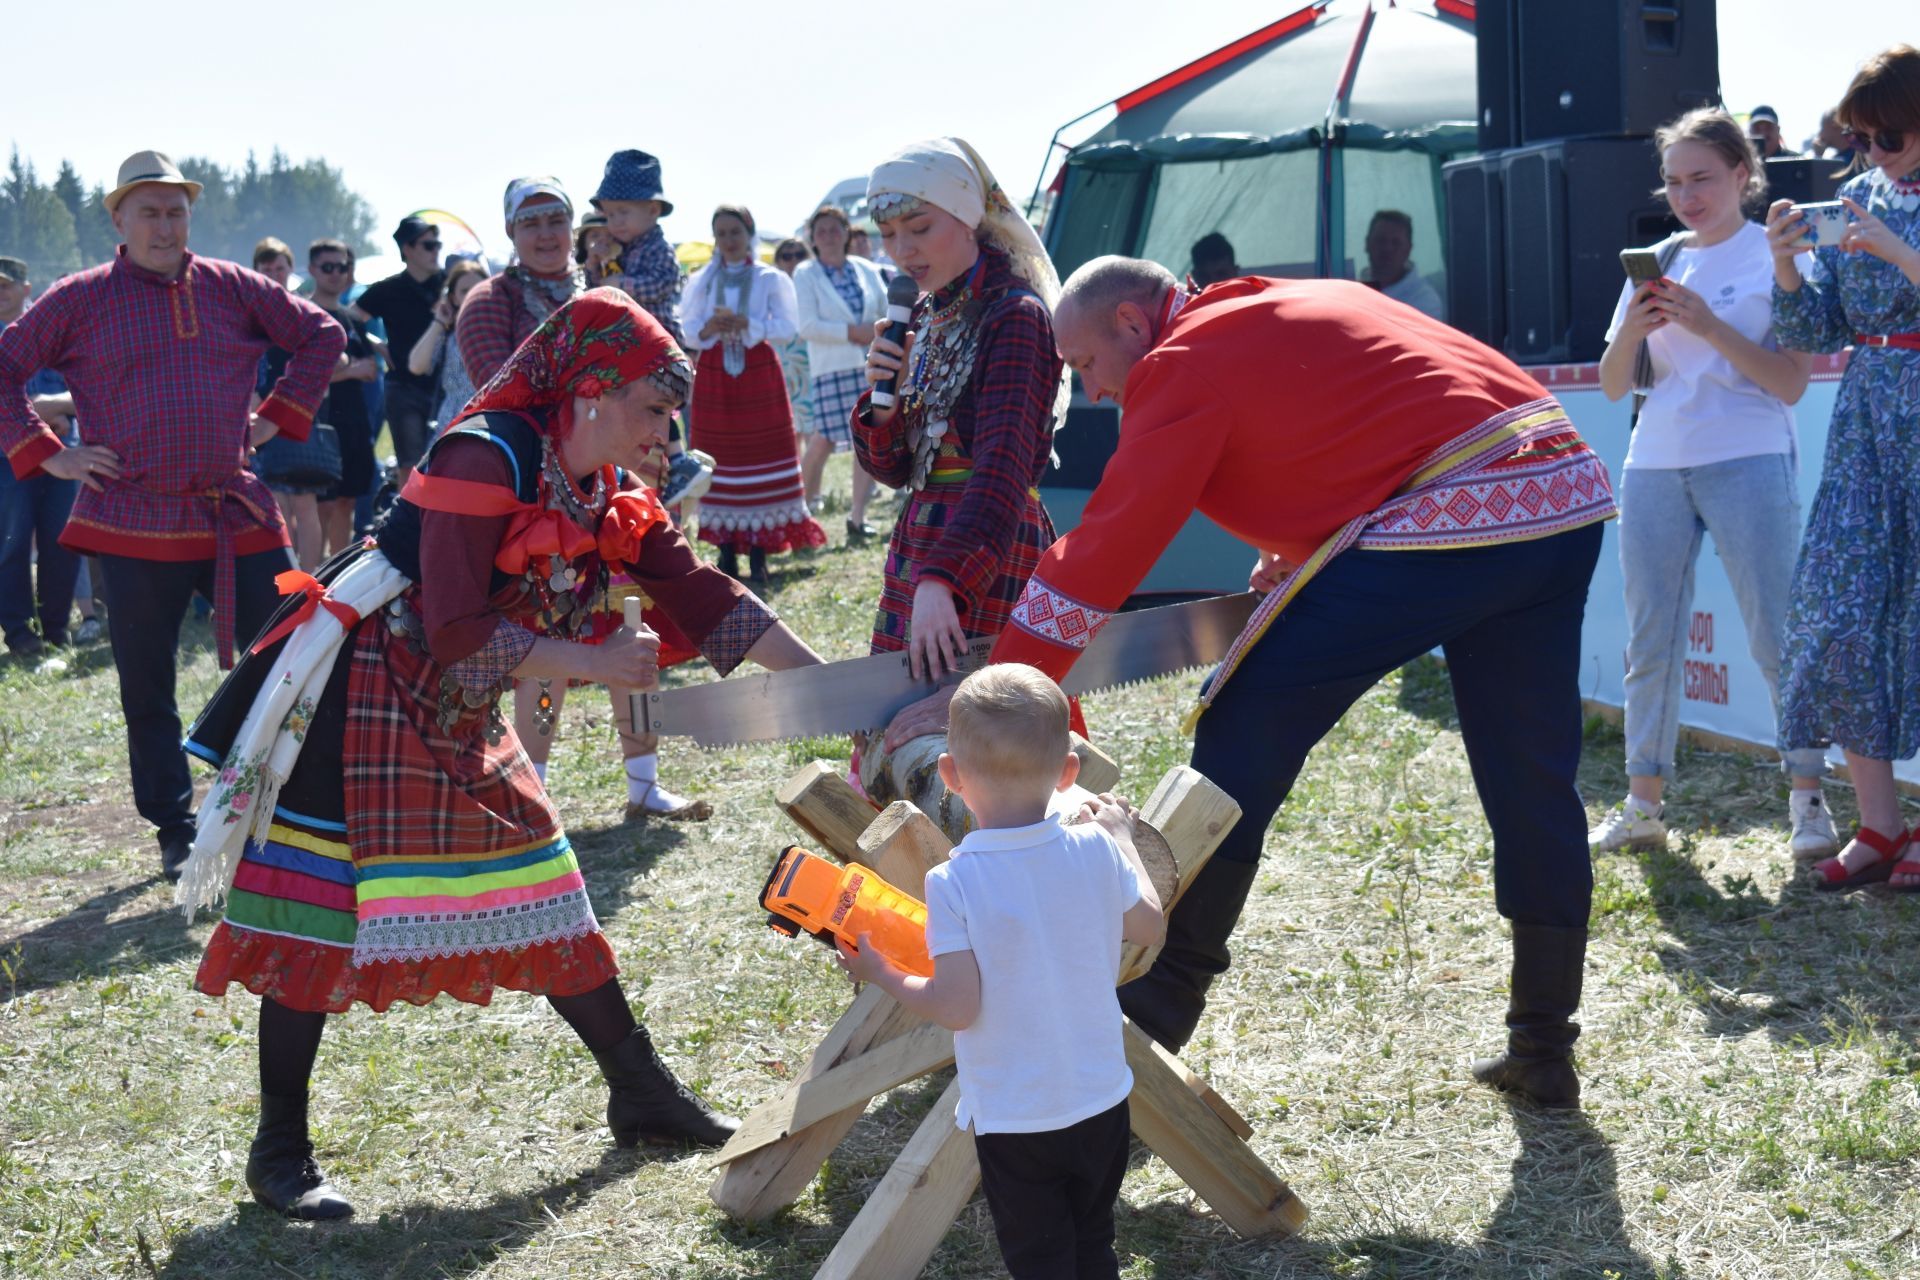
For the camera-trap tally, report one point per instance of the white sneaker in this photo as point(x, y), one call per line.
point(1628, 827)
point(1813, 835)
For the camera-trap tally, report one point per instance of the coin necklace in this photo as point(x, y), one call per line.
point(942, 367)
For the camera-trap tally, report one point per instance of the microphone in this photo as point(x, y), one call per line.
point(901, 295)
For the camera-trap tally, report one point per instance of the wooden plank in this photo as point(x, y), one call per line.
point(910, 1210)
point(853, 1082)
point(1204, 1091)
point(903, 844)
point(766, 1179)
point(822, 803)
point(1199, 1146)
point(1098, 770)
point(1194, 816)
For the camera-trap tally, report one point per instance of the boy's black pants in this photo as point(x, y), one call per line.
point(1052, 1196)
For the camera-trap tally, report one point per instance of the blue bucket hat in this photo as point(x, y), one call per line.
point(632, 175)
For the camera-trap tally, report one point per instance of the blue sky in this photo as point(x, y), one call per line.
point(437, 105)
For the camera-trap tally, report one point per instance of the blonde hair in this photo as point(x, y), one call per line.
point(1008, 722)
point(1715, 129)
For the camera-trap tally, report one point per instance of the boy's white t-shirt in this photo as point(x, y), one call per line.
point(1701, 409)
point(1040, 907)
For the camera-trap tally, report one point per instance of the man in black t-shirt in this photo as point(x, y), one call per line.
point(405, 302)
point(330, 264)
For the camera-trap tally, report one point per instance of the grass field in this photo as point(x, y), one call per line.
point(1750, 1056)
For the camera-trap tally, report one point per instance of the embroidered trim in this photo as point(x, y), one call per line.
point(433, 935)
point(491, 664)
point(1055, 617)
point(727, 644)
point(1546, 497)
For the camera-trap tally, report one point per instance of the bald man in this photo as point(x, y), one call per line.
point(1409, 489)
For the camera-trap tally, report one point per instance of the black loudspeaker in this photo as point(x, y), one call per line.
point(1802, 179)
point(1596, 67)
point(1495, 65)
point(1571, 206)
point(1476, 234)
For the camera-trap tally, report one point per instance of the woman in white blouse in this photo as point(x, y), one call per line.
point(736, 310)
point(841, 300)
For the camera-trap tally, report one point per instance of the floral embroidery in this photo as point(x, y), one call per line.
point(234, 788)
point(299, 718)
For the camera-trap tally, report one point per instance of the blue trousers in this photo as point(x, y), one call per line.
point(32, 514)
point(1508, 619)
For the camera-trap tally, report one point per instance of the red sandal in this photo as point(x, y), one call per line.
point(1831, 875)
point(1907, 866)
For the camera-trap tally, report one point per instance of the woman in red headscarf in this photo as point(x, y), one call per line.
point(382, 833)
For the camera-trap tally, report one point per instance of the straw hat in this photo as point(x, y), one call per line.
point(149, 166)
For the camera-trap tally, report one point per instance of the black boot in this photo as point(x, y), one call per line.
point(1166, 1001)
point(646, 1104)
point(729, 563)
point(757, 574)
point(281, 1171)
point(1538, 1063)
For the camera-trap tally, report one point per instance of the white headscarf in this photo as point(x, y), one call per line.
point(949, 173)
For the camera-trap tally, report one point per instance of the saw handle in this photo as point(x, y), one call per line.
point(630, 612)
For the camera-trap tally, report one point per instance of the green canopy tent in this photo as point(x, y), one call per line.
point(1286, 142)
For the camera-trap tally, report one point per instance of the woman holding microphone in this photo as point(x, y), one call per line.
point(1852, 670)
point(1712, 452)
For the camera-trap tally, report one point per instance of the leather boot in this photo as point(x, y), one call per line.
point(1166, 1002)
point(646, 1104)
point(281, 1170)
point(1538, 1063)
point(728, 563)
point(757, 573)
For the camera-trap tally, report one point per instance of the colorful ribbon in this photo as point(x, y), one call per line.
point(297, 582)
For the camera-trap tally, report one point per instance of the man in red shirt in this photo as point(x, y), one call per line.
point(1409, 489)
point(160, 350)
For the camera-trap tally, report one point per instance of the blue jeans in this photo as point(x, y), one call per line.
point(1508, 618)
point(1752, 509)
point(34, 511)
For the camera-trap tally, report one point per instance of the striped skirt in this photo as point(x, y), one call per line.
point(404, 860)
point(746, 423)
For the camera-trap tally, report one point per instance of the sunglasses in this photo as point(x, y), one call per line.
point(793, 257)
point(431, 246)
point(334, 268)
point(1885, 139)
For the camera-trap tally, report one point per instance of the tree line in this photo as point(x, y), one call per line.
point(62, 226)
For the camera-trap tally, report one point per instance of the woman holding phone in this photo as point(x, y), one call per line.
point(1853, 633)
point(1712, 452)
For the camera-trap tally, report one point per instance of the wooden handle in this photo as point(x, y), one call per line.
point(630, 607)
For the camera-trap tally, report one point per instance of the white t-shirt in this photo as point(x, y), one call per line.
point(1040, 907)
point(1701, 409)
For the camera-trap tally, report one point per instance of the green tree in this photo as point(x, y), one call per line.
point(34, 225)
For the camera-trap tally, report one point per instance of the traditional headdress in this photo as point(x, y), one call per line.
point(949, 173)
point(598, 341)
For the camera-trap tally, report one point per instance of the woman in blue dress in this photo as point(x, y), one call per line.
point(1852, 660)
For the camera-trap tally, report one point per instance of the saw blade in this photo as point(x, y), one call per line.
point(865, 693)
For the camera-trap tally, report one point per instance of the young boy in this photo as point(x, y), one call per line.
point(642, 265)
point(1024, 924)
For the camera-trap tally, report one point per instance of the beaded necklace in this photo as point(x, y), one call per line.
point(942, 367)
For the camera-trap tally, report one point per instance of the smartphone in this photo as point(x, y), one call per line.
point(1826, 221)
point(1641, 265)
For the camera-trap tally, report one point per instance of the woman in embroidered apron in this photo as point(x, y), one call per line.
point(737, 311)
point(978, 401)
point(1851, 661)
point(378, 830)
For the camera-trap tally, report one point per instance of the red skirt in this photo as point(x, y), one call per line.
point(746, 423)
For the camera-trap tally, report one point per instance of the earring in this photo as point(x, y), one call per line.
point(593, 412)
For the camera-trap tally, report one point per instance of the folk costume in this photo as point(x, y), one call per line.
point(1431, 495)
point(378, 832)
point(741, 414)
point(161, 369)
point(974, 428)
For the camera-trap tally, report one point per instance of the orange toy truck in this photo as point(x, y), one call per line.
point(806, 892)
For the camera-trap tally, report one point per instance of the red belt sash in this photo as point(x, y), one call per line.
point(1909, 341)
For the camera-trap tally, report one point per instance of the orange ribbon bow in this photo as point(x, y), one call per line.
point(296, 582)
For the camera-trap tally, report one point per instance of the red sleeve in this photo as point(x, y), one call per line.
point(485, 330)
point(37, 340)
point(1016, 373)
point(315, 341)
point(882, 451)
point(457, 552)
point(1173, 435)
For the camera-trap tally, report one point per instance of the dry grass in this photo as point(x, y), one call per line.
point(1750, 1056)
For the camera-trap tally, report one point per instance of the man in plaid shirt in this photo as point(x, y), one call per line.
point(159, 349)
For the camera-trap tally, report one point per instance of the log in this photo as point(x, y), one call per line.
point(822, 803)
point(1098, 770)
point(910, 1210)
point(1193, 816)
point(926, 1048)
point(902, 844)
point(1198, 1145)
